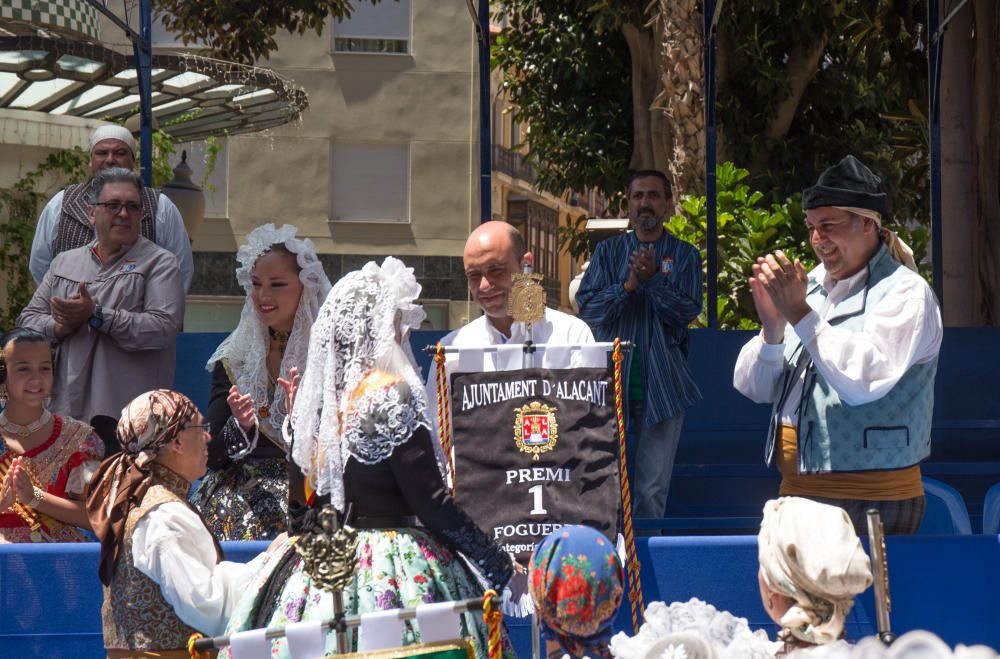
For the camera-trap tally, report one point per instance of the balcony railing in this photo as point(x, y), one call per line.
point(513, 164)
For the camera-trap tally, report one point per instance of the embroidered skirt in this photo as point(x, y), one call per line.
point(248, 500)
point(396, 568)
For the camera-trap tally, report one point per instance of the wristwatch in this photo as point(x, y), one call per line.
point(96, 318)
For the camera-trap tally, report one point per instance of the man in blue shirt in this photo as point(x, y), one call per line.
point(645, 287)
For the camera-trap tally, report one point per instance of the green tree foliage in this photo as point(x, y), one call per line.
point(244, 30)
point(748, 226)
point(566, 64)
point(19, 208)
point(862, 98)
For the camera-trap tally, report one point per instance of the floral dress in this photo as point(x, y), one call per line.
point(398, 564)
point(63, 465)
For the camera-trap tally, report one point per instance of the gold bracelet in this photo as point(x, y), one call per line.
point(37, 496)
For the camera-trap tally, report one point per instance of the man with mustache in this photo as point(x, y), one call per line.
point(645, 287)
point(847, 355)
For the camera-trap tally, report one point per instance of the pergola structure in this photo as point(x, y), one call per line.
point(50, 68)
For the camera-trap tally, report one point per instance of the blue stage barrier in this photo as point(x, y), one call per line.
point(950, 585)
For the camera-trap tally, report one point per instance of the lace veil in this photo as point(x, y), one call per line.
point(246, 348)
point(337, 415)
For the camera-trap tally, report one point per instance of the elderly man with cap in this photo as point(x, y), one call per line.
point(63, 224)
point(113, 306)
point(847, 356)
point(163, 574)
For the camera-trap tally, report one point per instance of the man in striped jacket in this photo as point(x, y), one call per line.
point(645, 286)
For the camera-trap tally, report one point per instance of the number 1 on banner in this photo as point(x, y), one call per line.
point(536, 497)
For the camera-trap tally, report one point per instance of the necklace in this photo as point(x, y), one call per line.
point(23, 432)
point(279, 338)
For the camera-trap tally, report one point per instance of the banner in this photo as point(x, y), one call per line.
point(535, 449)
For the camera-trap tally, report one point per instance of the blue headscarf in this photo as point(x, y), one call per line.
point(575, 579)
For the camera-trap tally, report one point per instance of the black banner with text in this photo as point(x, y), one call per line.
point(536, 449)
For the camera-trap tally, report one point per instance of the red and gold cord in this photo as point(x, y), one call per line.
point(631, 560)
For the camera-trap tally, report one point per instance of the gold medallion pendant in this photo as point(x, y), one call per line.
point(527, 298)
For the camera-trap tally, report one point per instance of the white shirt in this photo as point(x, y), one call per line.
point(171, 546)
point(170, 235)
point(557, 329)
point(903, 329)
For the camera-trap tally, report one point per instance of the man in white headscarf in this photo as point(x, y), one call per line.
point(847, 355)
point(63, 223)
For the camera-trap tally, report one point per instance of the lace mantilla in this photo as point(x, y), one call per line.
point(245, 349)
point(729, 635)
point(386, 418)
point(340, 410)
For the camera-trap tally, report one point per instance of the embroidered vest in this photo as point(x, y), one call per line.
point(892, 432)
point(134, 614)
point(74, 226)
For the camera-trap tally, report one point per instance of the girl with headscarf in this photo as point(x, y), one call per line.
point(246, 495)
point(361, 439)
point(812, 566)
point(161, 568)
point(45, 459)
point(576, 583)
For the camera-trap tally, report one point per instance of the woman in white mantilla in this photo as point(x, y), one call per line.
point(245, 497)
point(361, 439)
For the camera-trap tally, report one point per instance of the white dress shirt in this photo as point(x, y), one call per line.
point(171, 546)
point(558, 330)
point(170, 235)
point(903, 329)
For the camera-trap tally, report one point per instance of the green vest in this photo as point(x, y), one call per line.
point(892, 432)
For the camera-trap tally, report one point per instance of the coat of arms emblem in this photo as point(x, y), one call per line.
point(535, 428)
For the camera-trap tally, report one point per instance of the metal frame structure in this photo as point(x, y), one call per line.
point(143, 52)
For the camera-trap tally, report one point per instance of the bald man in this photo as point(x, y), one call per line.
point(64, 224)
point(493, 254)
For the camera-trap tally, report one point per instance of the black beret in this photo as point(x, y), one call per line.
point(848, 183)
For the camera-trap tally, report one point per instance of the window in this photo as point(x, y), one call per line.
point(216, 188)
point(370, 182)
point(383, 28)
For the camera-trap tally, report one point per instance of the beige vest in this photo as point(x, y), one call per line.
point(135, 615)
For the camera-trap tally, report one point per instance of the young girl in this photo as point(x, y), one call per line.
point(45, 459)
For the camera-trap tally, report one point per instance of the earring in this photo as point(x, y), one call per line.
point(3, 394)
point(770, 602)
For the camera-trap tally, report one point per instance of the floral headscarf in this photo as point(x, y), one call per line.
point(149, 422)
point(575, 579)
